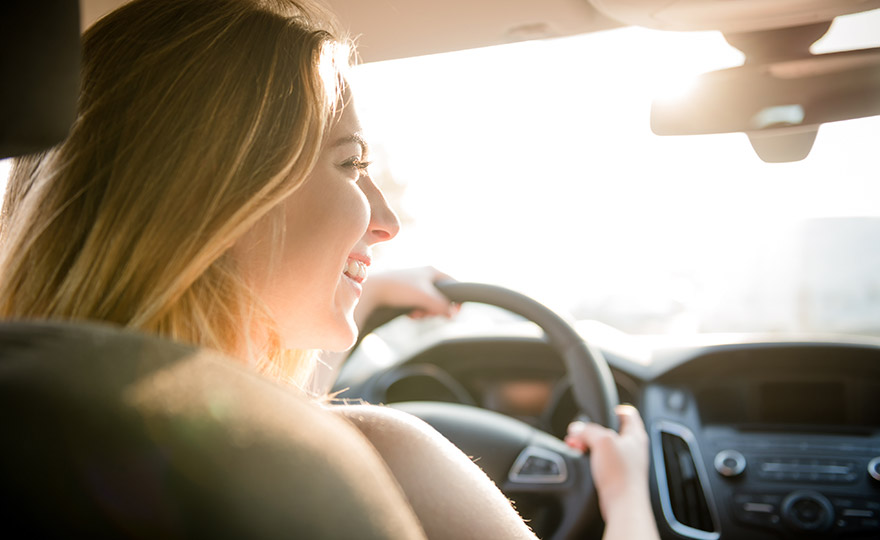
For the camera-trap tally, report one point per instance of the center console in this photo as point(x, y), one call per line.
point(796, 483)
point(768, 475)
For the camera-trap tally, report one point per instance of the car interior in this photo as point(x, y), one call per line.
point(757, 375)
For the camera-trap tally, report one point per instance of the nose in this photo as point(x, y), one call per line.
point(384, 224)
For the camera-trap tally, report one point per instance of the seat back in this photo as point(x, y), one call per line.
point(110, 432)
point(105, 431)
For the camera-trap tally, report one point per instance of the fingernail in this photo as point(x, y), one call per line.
point(624, 408)
point(576, 428)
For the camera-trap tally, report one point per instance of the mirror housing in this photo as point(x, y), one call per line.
point(779, 104)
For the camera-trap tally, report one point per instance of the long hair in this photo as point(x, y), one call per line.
point(196, 117)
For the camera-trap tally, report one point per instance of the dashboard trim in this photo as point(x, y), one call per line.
point(657, 429)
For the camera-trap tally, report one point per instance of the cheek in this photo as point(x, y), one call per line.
point(322, 227)
point(342, 218)
point(356, 213)
point(276, 250)
point(294, 258)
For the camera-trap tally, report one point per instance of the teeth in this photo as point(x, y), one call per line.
point(355, 270)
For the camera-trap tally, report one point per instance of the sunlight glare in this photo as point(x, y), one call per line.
point(848, 32)
point(533, 166)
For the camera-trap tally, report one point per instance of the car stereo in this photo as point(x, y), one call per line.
point(797, 483)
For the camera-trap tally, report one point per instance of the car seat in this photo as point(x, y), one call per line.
point(108, 432)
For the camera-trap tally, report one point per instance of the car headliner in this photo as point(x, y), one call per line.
point(389, 29)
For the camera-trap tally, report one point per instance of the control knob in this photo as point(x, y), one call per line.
point(730, 463)
point(874, 468)
point(807, 511)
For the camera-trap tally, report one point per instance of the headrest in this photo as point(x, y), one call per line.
point(40, 66)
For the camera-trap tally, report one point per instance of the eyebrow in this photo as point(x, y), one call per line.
point(356, 138)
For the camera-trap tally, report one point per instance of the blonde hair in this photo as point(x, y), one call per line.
point(196, 117)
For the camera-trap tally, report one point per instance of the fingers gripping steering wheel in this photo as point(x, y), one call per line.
point(521, 459)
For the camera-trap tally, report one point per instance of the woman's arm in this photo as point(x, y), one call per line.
point(451, 496)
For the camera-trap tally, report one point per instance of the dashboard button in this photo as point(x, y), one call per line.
point(536, 465)
point(676, 401)
point(757, 509)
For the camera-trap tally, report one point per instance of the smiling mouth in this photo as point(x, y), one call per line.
point(355, 270)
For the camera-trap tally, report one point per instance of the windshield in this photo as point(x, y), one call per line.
point(532, 165)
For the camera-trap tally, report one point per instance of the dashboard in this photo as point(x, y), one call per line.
point(751, 437)
point(768, 440)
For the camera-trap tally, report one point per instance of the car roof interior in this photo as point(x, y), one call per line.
point(770, 34)
point(402, 28)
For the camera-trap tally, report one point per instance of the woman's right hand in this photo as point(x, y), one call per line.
point(408, 287)
point(619, 464)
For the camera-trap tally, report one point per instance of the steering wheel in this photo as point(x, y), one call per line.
point(519, 458)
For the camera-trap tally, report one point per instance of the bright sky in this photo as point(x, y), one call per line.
point(533, 166)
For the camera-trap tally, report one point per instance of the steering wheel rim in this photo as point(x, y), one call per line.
point(503, 443)
point(592, 383)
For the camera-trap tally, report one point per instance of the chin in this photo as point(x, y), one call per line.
point(333, 335)
point(343, 338)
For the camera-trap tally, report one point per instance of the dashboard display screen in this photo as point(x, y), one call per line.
point(775, 402)
point(802, 403)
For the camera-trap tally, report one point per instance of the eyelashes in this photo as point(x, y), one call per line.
point(362, 165)
point(358, 164)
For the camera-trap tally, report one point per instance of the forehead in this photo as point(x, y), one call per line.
point(347, 121)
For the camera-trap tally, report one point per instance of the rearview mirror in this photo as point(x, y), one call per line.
point(780, 105)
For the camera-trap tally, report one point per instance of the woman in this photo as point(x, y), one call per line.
point(214, 190)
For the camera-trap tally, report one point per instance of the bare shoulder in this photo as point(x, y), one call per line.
point(398, 436)
point(452, 497)
point(380, 419)
point(369, 414)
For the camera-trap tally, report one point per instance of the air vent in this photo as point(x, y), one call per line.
point(686, 503)
point(685, 492)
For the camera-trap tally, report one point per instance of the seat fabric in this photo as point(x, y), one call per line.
point(113, 433)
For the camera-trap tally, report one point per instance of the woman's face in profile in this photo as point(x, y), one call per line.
point(313, 283)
